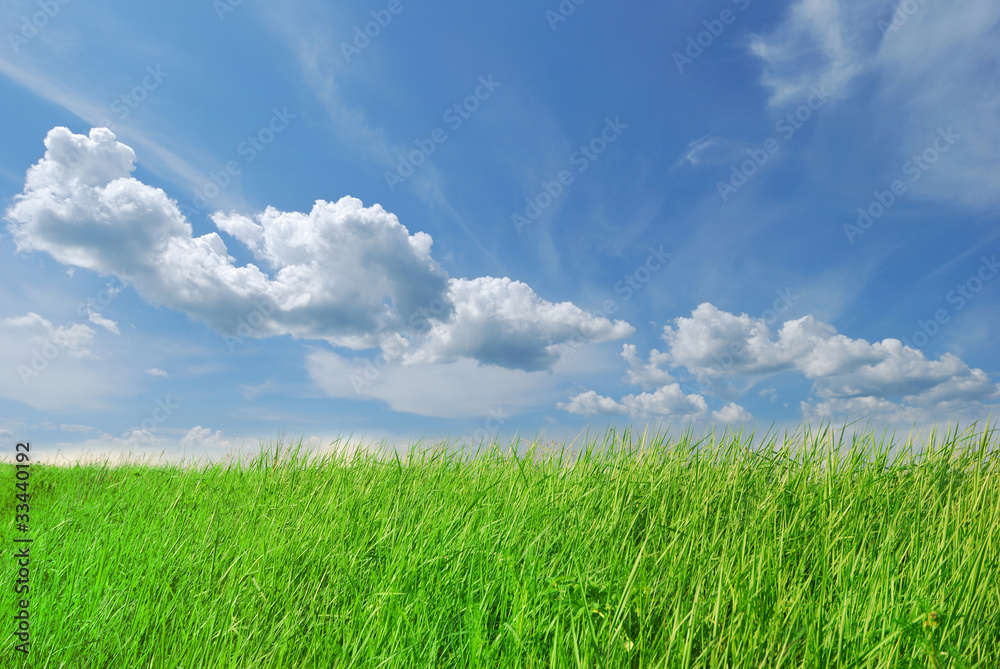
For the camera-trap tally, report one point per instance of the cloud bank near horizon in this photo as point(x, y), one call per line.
point(850, 377)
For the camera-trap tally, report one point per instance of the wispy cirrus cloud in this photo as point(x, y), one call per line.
point(932, 65)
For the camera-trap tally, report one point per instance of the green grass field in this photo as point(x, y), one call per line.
point(819, 549)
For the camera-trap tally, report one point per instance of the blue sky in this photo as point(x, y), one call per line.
point(226, 221)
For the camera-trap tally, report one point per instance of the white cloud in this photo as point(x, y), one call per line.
point(870, 407)
point(820, 44)
point(42, 334)
point(201, 444)
point(302, 26)
point(197, 443)
point(732, 413)
point(154, 371)
point(646, 375)
point(715, 343)
point(344, 273)
point(933, 63)
point(67, 427)
point(203, 439)
point(50, 366)
point(711, 150)
point(590, 403)
point(503, 322)
point(938, 71)
point(847, 374)
point(105, 323)
point(67, 94)
point(461, 388)
point(666, 401)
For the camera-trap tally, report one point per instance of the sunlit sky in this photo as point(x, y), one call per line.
point(228, 221)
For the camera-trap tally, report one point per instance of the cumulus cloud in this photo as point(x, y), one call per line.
point(732, 413)
point(504, 323)
point(202, 438)
point(646, 375)
point(341, 272)
point(713, 343)
point(351, 275)
point(668, 400)
point(848, 375)
point(590, 403)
